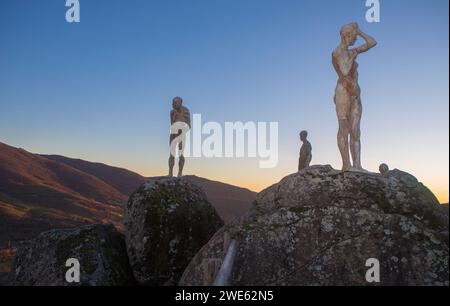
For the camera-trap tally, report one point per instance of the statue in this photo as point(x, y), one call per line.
point(179, 117)
point(384, 169)
point(347, 94)
point(305, 152)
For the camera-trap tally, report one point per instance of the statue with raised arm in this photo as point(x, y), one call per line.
point(305, 151)
point(347, 95)
point(180, 120)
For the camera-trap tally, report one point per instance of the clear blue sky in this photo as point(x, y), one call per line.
point(101, 90)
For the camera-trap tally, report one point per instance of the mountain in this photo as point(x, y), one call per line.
point(230, 201)
point(122, 180)
point(38, 194)
point(42, 192)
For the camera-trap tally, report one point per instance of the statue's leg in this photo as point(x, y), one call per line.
point(171, 164)
point(342, 139)
point(180, 159)
point(172, 156)
point(343, 104)
point(355, 134)
point(180, 166)
point(301, 164)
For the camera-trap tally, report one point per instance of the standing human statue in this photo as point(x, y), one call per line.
point(305, 152)
point(180, 120)
point(348, 94)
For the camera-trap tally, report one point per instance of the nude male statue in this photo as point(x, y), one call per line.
point(348, 94)
point(179, 116)
point(305, 152)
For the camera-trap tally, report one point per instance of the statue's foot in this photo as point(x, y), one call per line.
point(346, 168)
point(170, 174)
point(180, 174)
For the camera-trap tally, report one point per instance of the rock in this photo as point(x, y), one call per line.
point(166, 222)
point(100, 250)
point(444, 208)
point(319, 227)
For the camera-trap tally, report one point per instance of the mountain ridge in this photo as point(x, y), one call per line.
point(39, 192)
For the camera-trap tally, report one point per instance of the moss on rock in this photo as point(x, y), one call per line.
point(167, 221)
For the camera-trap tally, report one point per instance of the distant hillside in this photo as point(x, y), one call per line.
point(230, 201)
point(122, 180)
point(38, 194)
point(42, 192)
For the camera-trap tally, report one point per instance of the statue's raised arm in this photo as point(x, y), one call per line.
point(370, 42)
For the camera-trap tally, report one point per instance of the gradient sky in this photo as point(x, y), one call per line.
point(101, 90)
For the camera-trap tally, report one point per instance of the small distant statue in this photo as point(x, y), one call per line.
point(348, 94)
point(180, 120)
point(305, 152)
point(384, 169)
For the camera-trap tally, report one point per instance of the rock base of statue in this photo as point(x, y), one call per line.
point(320, 226)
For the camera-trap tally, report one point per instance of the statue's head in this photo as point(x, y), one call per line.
point(384, 168)
point(349, 33)
point(177, 102)
point(303, 135)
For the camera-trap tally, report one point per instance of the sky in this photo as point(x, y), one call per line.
point(101, 89)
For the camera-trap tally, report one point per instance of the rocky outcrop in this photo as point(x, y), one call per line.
point(166, 222)
point(444, 208)
point(319, 227)
point(99, 249)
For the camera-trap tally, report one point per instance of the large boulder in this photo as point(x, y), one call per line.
point(99, 249)
point(319, 227)
point(167, 220)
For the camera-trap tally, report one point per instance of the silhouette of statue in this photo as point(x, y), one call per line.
point(179, 118)
point(305, 152)
point(347, 94)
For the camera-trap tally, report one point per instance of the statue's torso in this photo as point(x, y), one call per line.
point(305, 155)
point(344, 59)
point(305, 151)
point(181, 115)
